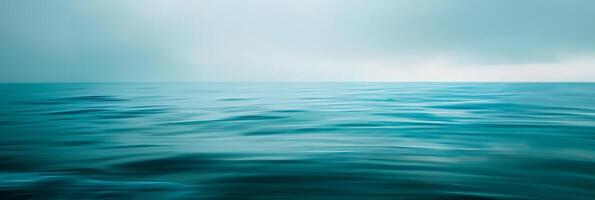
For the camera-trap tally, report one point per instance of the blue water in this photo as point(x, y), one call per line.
point(442, 141)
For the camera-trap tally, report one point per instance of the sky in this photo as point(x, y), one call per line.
point(296, 40)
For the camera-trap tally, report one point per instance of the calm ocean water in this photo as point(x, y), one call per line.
point(442, 141)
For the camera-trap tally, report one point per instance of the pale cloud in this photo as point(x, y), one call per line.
point(455, 69)
point(306, 40)
point(450, 68)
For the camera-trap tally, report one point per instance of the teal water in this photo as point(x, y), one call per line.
point(442, 141)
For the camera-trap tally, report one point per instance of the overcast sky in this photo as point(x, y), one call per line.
point(299, 40)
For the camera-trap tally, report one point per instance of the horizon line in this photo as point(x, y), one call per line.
point(181, 82)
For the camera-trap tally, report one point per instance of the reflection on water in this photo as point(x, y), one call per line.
point(297, 141)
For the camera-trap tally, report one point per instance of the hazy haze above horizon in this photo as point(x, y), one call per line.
point(305, 40)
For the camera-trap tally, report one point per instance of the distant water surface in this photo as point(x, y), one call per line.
point(443, 141)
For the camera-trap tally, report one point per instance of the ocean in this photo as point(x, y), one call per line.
point(439, 141)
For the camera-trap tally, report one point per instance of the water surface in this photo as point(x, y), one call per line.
point(405, 141)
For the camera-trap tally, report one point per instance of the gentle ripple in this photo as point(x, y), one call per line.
point(406, 141)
